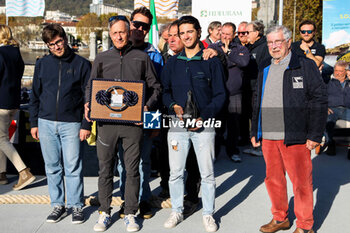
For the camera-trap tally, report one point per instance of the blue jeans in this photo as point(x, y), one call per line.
point(144, 168)
point(339, 113)
point(59, 143)
point(204, 145)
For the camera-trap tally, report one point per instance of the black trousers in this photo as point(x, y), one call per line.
point(107, 147)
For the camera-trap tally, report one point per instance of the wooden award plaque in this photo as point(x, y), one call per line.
point(117, 101)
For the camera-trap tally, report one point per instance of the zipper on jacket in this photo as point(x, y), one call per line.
point(58, 88)
point(121, 66)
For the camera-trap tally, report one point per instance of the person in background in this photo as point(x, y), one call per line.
point(163, 38)
point(214, 34)
point(289, 118)
point(338, 90)
point(56, 117)
point(307, 46)
point(11, 71)
point(236, 57)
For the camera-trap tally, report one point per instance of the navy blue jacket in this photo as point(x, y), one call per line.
point(58, 89)
point(207, 78)
point(11, 71)
point(304, 101)
point(236, 59)
point(337, 95)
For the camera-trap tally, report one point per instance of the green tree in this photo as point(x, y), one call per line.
point(87, 24)
point(305, 9)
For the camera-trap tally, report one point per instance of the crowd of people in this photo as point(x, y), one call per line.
point(263, 89)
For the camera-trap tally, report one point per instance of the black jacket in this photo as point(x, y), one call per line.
point(11, 71)
point(304, 101)
point(58, 89)
point(337, 95)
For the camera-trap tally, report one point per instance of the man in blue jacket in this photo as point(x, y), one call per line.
point(56, 116)
point(182, 75)
point(289, 116)
point(338, 90)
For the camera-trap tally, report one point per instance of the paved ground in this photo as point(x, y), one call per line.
point(242, 204)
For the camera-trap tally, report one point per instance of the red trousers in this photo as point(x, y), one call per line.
point(296, 161)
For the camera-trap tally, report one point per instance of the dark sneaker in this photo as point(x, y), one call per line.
point(121, 211)
point(3, 178)
point(331, 151)
point(57, 214)
point(103, 222)
point(94, 202)
point(164, 194)
point(189, 208)
point(145, 210)
point(77, 215)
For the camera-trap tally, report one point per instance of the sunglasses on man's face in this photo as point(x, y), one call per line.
point(117, 17)
point(138, 24)
point(243, 33)
point(306, 31)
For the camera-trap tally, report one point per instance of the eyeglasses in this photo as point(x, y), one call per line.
point(306, 31)
point(138, 24)
point(59, 43)
point(243, 33)
point(277, 43)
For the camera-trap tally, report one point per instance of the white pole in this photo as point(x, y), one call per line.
point(280, 15)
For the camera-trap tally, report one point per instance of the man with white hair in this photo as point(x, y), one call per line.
point(289, 117)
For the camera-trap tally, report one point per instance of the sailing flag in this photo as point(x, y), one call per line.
point(153, 36)
point(28, 8)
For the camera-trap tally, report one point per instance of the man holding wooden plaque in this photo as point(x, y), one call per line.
point(123, 63)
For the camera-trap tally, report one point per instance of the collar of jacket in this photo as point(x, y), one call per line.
point(67, 56)
point(197, 57)
point(258, 42)
point(125, 49)
point(293, 63)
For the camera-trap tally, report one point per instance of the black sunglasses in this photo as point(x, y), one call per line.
point(118, 17)
point(137, 24)
point(306, 31)
point(243, 33)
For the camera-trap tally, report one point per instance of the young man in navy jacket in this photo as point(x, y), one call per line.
point(182, 73)
point(56, 117)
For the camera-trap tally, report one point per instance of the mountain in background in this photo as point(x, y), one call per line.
point(81, 7)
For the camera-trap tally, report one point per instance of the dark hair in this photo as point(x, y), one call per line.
point(143, 11)
point(188, 19)
point(307, 21)
point(258, 26)
point(51, 31)
point(232, 25)
point(213, 25)
point(175, 23)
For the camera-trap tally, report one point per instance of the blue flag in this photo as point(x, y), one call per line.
point(28, 8)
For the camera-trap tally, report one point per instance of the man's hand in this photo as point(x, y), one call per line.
point(254, 143)
point(311, 144)
point(225, 46)
point(209, 53)
point(197, 128)
point(304, 46)
point(178, 111)
point(84, 134)
point(35, 133)
point(330, 111)
point(86, 112)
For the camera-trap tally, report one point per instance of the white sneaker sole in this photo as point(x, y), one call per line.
point(59, 219)
point(25, 184)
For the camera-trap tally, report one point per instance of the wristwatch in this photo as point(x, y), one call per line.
point(307, 52)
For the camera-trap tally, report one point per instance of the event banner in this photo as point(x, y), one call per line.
point(336, 23)
point(234, 11)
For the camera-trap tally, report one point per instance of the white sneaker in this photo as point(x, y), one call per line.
point(209, 223)
point(104, 220)
point(236, 158)
point(130, 223)
point(174, 219)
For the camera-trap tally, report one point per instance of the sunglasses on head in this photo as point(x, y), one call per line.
point(306, 31)
point(138, 24)
point(118, 17)
point(243, 33)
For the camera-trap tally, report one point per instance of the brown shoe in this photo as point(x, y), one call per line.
point(300, 230)
point(25, 178)
point(273, 226)
point(3, 178)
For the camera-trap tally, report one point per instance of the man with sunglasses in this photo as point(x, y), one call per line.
point(141, 19)
point(307, 46)
point(56, 116)
point(123, 62)
point(242, 34)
